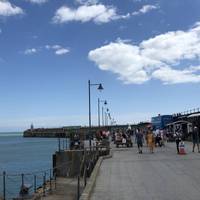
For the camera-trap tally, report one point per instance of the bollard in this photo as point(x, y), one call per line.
point(4, 185)
point(35, 184)
point(44, 183)
point(78, 188)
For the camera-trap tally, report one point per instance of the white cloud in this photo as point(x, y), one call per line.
point(61, 51)
point(164, 57)
point(56, 46)
point(8, 9)
point(97, 13)
point(58, 49)
point(38, 1)
point(145, 9)
point(173, 76)
point(30, 51)
point(91, 10)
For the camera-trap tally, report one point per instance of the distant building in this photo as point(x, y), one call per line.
point(161, 121)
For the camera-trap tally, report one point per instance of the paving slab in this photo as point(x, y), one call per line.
point(163, 175)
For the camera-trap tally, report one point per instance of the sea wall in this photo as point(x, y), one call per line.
point(67, 131)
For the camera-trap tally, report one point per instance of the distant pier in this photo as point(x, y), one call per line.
point(64, 132)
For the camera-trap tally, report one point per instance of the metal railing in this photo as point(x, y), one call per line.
point(188, 112)
point(88, 163)
point(26, 185)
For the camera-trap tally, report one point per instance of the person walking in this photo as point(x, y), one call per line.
point(150, 141)
point(139, 140)
point(178, 139)
point(195, 138)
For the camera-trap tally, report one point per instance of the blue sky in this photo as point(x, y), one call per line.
point(144, 52)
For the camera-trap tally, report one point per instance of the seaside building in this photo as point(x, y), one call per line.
point(161, 121)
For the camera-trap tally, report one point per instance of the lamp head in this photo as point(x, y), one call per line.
point(105, 103)
point(100, 87)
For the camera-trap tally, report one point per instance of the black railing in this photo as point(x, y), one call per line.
point(27, 185)
point(188, 112)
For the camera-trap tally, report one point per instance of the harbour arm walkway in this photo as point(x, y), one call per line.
point(163, 175)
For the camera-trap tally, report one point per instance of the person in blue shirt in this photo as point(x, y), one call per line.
point(139, 140)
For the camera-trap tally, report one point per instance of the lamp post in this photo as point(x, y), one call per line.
point(99, 102)
point(98, 112)
point(100, 87)
point(109, 118)
point(106, 117)
point(102, 116)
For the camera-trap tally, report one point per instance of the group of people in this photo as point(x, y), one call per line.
point(150, 140)
point(195, 136)
point(121, 135)
point(158, 138)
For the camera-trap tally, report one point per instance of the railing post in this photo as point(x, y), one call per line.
point(22, 175)
point(63, 144)
point(4, 185)
point(66, 145)
point(55, 179)
point(35, 183)
point(85, 176)
point(59, 147)
point(50, 179)
point(44, 183)
point(78, 188)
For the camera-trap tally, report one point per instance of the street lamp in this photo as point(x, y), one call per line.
point(103, 122)
point(109, 118)
point(106, 117)
point(105, 103)
point(100, 87)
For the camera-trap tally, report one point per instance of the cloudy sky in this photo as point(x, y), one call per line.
point(146, 54)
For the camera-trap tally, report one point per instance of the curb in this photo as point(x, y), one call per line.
point(92, 180)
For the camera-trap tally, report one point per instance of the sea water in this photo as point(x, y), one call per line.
point(24, 155)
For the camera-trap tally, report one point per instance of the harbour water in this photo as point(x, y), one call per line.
point(24, 155)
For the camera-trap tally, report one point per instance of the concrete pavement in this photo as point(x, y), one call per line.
point(163, 175)
point(66, 188)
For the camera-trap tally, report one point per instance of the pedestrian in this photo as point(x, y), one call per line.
point(195, 138)
point(139, 140)
point(178, 139)
point(150, 140)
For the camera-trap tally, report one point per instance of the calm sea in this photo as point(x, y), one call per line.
point(24, 155)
